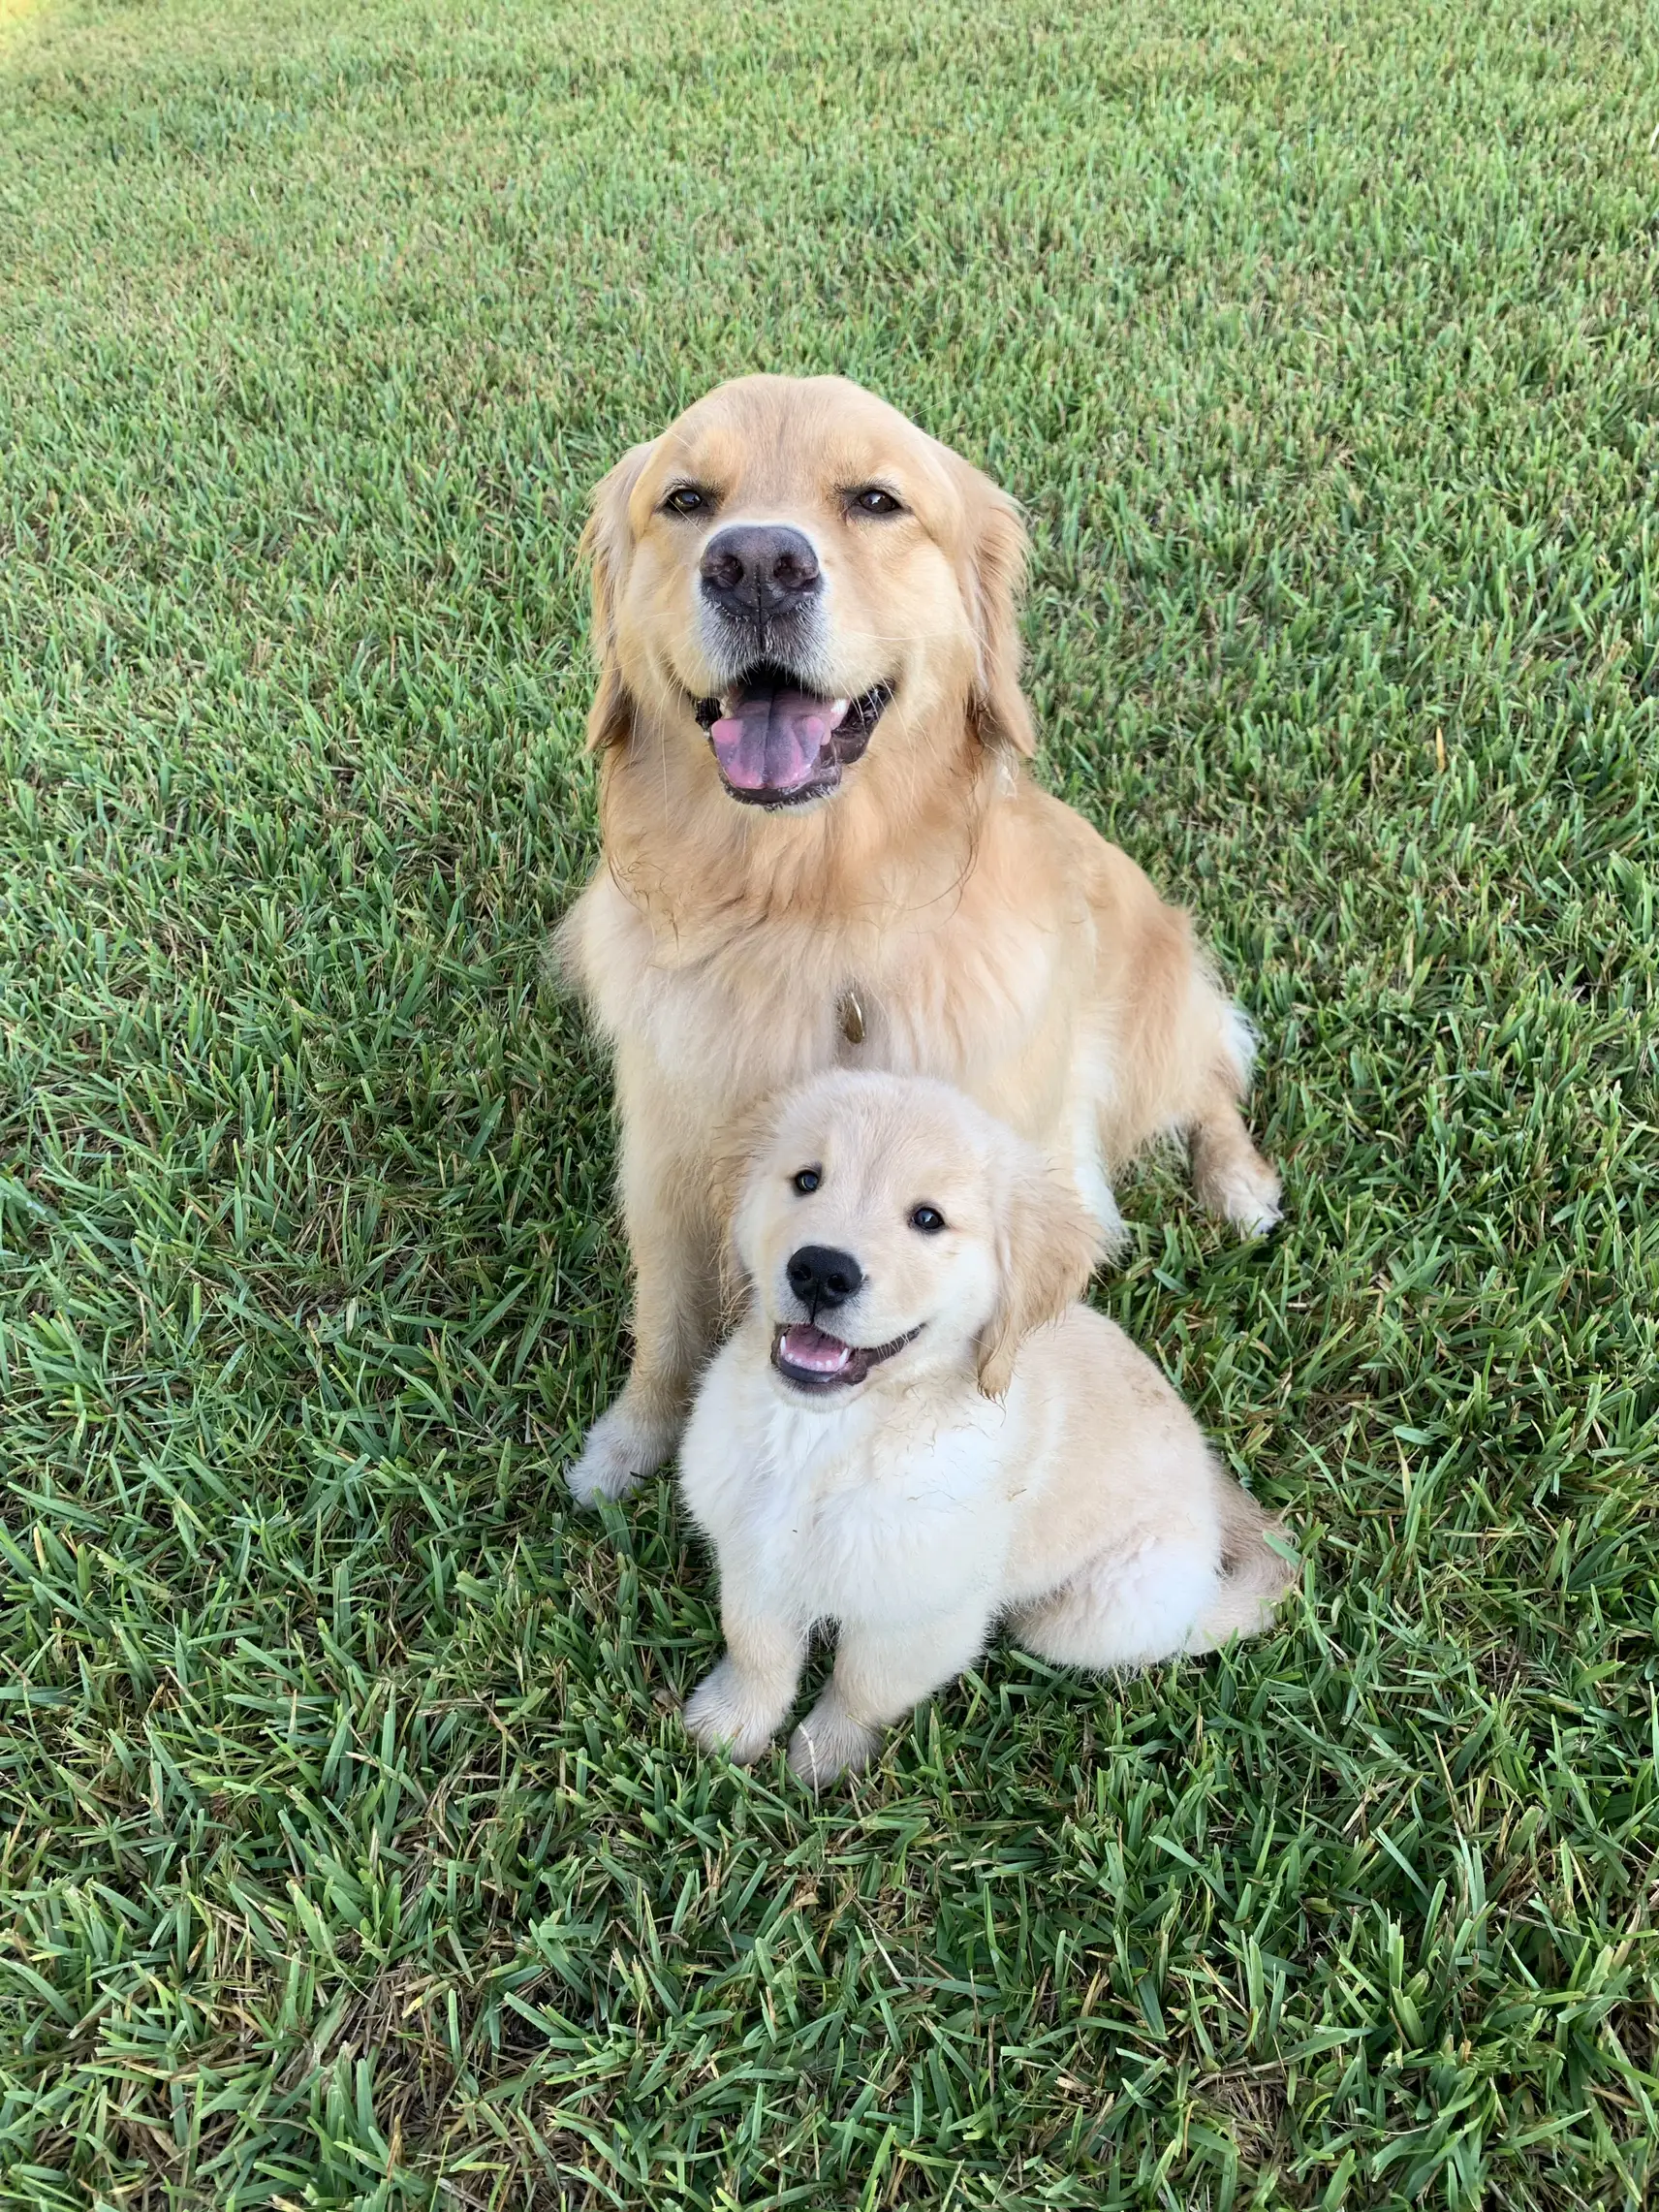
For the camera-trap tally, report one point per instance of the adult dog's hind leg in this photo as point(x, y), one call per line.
point(1229, 1174)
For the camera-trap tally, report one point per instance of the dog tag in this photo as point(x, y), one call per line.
point(852, 1018)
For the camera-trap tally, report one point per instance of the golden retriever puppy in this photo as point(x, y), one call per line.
point(915, 1433)
point(822, 846)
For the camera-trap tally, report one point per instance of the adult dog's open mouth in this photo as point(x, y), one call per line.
point(778, 746)
point(812, 1360)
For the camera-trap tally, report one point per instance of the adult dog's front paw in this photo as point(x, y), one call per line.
point(621, 1447)
point(731, 1712)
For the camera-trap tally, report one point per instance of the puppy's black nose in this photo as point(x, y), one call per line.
point(820, 1277)
point(759, 569)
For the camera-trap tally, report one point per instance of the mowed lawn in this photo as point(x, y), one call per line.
point(352, 1855)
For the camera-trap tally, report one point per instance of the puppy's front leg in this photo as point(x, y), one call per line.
point(880, 1674)
point(740, 1707)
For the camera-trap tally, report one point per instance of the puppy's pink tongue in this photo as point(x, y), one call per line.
point(771, 740)
point(809, 1348)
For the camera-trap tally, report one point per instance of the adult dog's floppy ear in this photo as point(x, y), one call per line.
point(1046, 1252)
point(605, 543)
point(996, 571)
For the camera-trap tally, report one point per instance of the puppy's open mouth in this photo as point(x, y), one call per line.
point(778, 746)
point(812, 1360)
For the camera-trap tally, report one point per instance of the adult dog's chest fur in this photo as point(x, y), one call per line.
point(983, 995)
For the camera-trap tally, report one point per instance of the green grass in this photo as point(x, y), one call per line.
point(351, 1849)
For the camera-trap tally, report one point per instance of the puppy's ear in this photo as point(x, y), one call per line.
point(605, 543)
point(1047, 1250)
point(732, 1157)
point(996, 558)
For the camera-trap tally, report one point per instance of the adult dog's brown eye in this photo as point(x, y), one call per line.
point(807, 1181)
point(873, 500)
point(929, 1219)
point(686, 500)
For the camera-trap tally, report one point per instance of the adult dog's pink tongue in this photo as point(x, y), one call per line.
point(771, 740)
point(811, 1350)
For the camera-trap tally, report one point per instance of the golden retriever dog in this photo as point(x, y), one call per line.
point(822, 846)
point(915, 1433)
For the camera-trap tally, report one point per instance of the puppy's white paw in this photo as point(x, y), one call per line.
point(730, 1712)
point(620, 1449)
point(828, 1744)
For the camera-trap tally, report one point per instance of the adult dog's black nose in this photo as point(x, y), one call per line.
point(820, 1277)
point(759, 569)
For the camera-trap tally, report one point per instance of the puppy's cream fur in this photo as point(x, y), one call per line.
point(960, 921)
point(1016, 1458)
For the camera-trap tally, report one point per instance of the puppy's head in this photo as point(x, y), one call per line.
point(792, 574)
point(887, 1228)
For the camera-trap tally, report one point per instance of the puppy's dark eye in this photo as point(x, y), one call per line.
point(873, 500)
point(687, 499)
point(807, 1181)
point(929, 1219)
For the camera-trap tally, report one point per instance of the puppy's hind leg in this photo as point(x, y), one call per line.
point(1254, 1576)
point(1186, 1591)
point(1126, 1611)
point(880, 1674)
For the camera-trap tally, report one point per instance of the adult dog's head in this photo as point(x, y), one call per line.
point(888, 1228)
point(792, 576)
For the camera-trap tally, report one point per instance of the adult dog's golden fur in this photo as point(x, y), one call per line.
point(932, 912)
